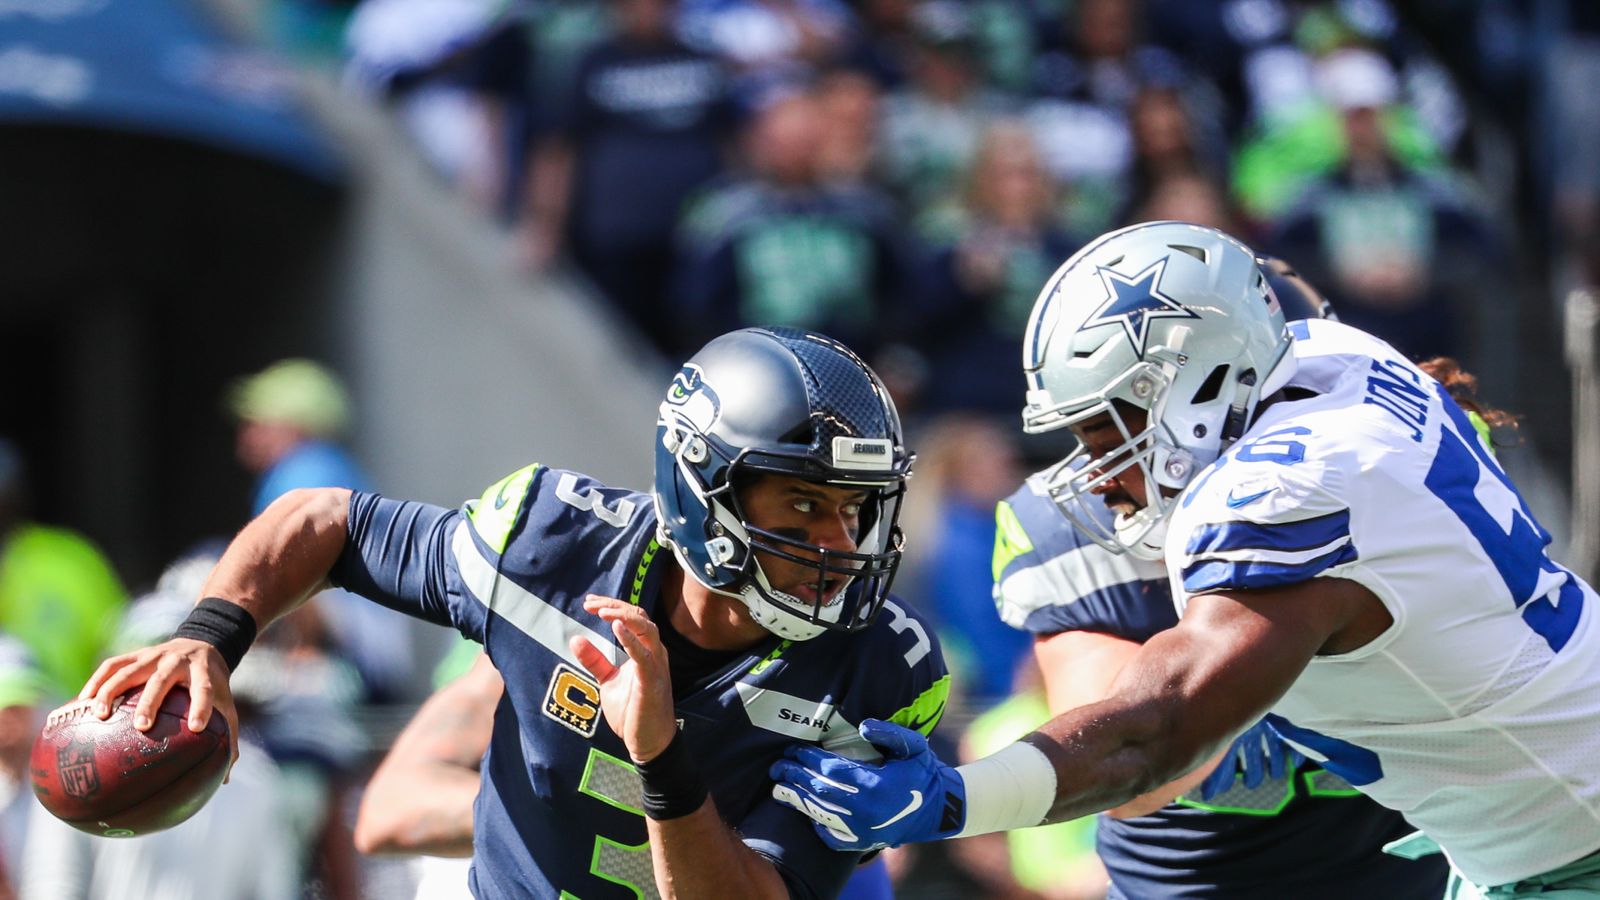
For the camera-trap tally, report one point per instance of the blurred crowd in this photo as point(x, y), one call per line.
point(904, 175)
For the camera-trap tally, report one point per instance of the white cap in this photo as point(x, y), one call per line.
point(1357, 79)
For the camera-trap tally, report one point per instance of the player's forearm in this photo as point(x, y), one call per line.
point(1150, 801)
point(423, 809)
point(698, 856)
point(283, 556)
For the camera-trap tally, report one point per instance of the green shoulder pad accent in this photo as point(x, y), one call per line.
point(924, 712)
point(1482, 428)
point(495, 513)
point(1010, 541)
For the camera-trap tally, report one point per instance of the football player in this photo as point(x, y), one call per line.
point(1259, 826)
point(780, 468)
point(1347, 558)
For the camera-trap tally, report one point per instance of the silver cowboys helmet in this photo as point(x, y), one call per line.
point(785, 402)
point(1167, 317)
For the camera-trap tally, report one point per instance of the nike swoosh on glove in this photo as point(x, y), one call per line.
point(910, 796)
point(1259, 753)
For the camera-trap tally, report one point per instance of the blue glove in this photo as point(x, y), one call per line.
point(1259, 753)
point(910, 796)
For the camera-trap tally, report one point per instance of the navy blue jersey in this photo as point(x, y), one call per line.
point(559, 813)
point(1307, 835)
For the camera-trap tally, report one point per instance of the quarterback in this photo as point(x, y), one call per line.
point(1347, 559)
point(646, 693)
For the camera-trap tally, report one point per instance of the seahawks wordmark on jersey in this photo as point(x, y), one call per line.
point(1476, 714)
point(559, 814)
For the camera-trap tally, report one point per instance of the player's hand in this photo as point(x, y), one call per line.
point(910, 796)
point(1257, 754)
point(636, 696)
point(185, 661)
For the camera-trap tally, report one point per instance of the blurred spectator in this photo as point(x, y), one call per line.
point(21, 688)
point(770, 43)
point(850, 101)
point(58, 595)
point(1574, 117)
point(1087, 84)
point(290, 417)
point(1399, 251)
point(200, 859)
point(779, 246)
point(456, 72)
point(933, 123)
point(1166, 146)
point(968, 464)
point(982, 277)
point(643, 126)
point(1186, 198)
point(1272, 170)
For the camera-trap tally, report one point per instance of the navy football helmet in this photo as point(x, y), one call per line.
point(1295, 294)
point(786, 402)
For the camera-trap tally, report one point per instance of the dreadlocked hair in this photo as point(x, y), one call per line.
point(1463, 388)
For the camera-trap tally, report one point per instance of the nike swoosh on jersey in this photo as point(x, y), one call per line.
point(1236, 502)
point(913, 806)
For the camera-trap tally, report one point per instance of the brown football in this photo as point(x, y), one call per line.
point(108, 778)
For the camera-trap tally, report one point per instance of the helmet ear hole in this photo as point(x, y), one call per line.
point(1211, 388)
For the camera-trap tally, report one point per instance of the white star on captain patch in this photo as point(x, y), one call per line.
point(1133, 302)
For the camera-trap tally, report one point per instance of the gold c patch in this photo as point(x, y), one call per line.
point(573, 700)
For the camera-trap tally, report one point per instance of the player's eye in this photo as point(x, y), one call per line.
point(805, 506)
point(852, 509)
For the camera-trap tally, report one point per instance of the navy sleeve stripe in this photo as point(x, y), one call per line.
point(1246, 574)
point(1305, 534)
point(1136, 611)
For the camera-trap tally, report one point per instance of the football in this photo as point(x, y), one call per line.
point(108, 778)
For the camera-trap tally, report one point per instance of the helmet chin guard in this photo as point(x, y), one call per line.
point(788, 403)
point(1169, 318)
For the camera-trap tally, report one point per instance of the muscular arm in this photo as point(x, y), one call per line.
point(283, 556)
point(698, 855)
point(420, 799)
point(1190, 688)
point(1080, 668)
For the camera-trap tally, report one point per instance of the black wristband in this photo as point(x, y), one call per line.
point(226, 626)
point(673, 787)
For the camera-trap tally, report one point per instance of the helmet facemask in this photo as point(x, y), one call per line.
point(1162, 464)
point(849, 587)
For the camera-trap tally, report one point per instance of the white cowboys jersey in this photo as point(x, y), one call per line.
point(1477, 713)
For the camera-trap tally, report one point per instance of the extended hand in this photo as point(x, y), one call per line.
point(179, 661)
point(636, 697)
point(1259, 753)
point(910, 796)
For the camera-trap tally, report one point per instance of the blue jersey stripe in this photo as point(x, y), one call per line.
point(1354, 764)
point(1218, 574)
point(1305, 534)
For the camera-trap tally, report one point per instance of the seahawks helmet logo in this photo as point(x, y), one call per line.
point(692, 399)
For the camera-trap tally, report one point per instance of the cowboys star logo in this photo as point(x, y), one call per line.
point(1134, 302)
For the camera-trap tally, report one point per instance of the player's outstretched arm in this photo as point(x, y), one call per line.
point(1079, 668)
point(694, 852)
point(275, 563)
point(420, 798)
point(1178, 701)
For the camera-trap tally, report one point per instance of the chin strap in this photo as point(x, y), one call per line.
point(1238, 418)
